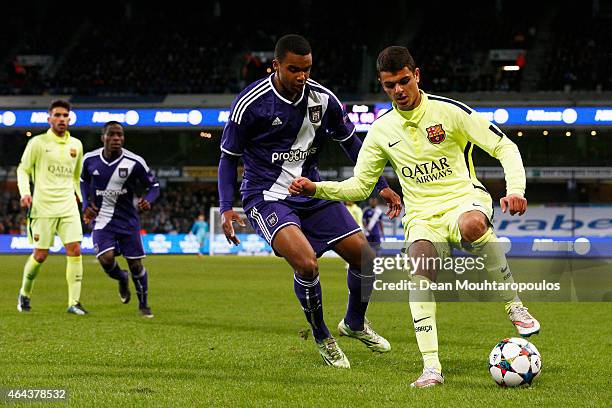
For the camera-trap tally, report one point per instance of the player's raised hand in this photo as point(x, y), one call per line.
point(302, 186)
point(26, 201)
point(393, 200)
point(515, 203)
point(227, 220)
point(143, 204)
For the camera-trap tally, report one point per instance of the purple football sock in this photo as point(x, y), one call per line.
point(116, 272)
point(141, 282)
point(308, 292)
point(360, 290)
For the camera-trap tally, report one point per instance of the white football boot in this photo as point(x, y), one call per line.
point(367, 336)
point(332, 353)
point(429, 378)
point(524, 322)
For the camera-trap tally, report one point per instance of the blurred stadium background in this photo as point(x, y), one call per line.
point(542, 71)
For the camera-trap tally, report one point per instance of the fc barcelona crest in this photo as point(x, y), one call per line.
point(315, 113)
point(123, 172)
point(73, 152)
point(436, 134)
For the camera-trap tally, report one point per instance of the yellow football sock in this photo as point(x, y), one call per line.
point(490, 250)
point(30, 270)
point(423, 309)
point(74, 276)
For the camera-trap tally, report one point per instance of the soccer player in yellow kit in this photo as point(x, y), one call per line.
point(355, 211)
point(428, 140)
point(53, 161)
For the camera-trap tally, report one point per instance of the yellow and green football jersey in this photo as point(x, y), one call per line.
point(430, 149)
point(54, 163)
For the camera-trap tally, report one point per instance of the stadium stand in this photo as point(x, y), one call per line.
point(212, 50)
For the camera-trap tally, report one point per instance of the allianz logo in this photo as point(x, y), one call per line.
point(193, 117)
point(130, 117)
point(581, 246)
point(603, 115)
point(568, 115)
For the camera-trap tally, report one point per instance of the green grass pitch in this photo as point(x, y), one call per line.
point(226, 333)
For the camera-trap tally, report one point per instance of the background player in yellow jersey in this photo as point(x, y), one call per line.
point(355, 211)
point(428, 141)
point(53, 162)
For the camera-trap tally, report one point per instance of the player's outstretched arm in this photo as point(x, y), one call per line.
point(352, 146)
point(371, 162)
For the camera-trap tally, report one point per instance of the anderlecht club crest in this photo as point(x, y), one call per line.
point(315, 113)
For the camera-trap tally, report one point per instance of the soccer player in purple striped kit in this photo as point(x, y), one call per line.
point(111, 175)
point(278, 126)
point(372, 223)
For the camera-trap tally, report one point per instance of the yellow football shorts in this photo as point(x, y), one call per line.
point(442, 230)
point(42, 231)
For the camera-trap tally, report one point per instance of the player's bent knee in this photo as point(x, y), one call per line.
point(40, 256)
point(73, 249)
point(135, 266)
point(365, 256)
point(473, 226)
point(307, 267)
point(422, 248)
point(107, 260)
point(356, 250)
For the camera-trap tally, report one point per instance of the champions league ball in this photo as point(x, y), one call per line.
point(514, 362)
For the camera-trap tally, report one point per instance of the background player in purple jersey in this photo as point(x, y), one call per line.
point(278, 125)
point(372, 223)
point(110, 178)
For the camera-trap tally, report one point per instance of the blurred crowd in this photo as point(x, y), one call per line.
point(580, 56)
point(12, 217)
point(176, 209)
point(144, 51)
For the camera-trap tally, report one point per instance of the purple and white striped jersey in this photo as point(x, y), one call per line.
point(372, 223)
point(111, 187)
point(280, 140)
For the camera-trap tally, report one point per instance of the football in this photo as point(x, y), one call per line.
point(514, 362)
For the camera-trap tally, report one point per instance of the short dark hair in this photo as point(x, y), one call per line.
point(394, 58)
point(291, 43)
point(109, 124)
point(60, 103)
